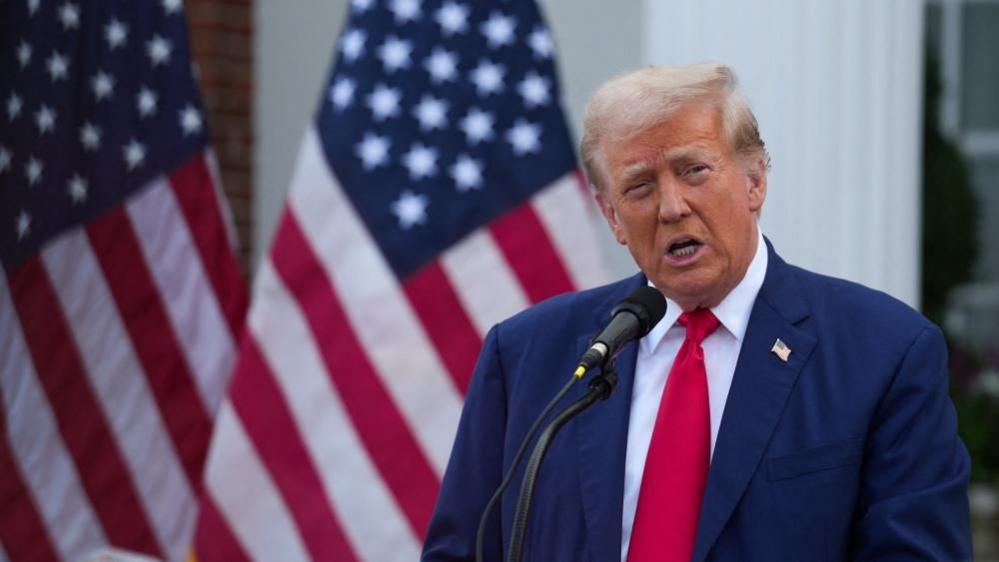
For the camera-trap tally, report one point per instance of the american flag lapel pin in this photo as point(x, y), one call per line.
point(780, 349)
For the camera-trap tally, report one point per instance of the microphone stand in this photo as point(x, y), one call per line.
point(599, 389)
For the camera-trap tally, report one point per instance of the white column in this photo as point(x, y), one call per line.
point(837, 89)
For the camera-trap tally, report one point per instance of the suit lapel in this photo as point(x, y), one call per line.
point(601, 434)
point(760, 387)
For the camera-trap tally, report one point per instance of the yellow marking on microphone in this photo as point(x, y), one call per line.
point(580, 371)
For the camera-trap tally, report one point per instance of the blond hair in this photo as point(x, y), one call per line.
point(636, 100)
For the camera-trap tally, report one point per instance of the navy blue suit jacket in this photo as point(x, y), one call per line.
point(848, 450)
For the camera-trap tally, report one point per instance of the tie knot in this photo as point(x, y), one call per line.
point(700, 323)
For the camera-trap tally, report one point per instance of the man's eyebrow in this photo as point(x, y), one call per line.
point(688, 153)
point(634, 170)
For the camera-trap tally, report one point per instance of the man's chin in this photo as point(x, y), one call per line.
point(689, 289)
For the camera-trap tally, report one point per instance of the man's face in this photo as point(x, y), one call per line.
point(684, 204)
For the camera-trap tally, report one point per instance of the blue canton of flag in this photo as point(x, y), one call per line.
point(441, 116)
point(97, 99)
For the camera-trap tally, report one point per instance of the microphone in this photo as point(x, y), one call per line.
point(631, 319)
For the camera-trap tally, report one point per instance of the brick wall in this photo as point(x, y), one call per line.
point(222, 47)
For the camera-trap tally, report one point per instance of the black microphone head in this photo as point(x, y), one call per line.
point(647, 304)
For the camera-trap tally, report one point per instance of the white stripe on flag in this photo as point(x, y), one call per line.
point(187, 293)
point(223, 204)
point(483, 281)
point(373, 523)
point(569, 221)
point(247, 497)
point(378, 310)
point(121, 388)
point(37, 446)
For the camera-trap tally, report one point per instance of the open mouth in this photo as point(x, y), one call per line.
point(683, 248)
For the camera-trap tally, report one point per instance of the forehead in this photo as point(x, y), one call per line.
point(694, 130)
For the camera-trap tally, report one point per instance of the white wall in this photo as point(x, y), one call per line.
point(836, 86)
point(293, 49)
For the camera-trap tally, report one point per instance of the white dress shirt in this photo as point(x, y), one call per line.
point(656, 352)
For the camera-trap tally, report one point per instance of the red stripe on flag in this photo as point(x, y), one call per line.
point(265, 414)
point(382, 429)
point(142, 311)
point(433, 297)
point(525, 244)
point(213, 541)
point(22, 533)
point(192, 184)
point(81, 421)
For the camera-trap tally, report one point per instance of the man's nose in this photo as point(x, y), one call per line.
point(672, 205)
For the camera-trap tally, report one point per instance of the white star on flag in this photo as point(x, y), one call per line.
point(57, 66)
point(394, 53)
point(411, 209)
point(69, 15)
point(352, 44)
point(442, 65)
point(342, 92)
point(405, 10)
point(488, 78)
point(134, 153)
point(103, 85)
point(22, 224)
point(384, 102)
point(158, 49)
point(190, 120)
point(372, 150)
point(467, 173)
point(115, 33)
point(534, 90)
point(541, 43)
point(90, 136)
point(23, 53)
point(4, 159)
point(172, 6)
point(33, 170)
point(452, 17)
point(45, 119)
point(498, 30)
point(431, 112)
point(477, 125)
point(146, 101)
point(77, 188)
point(421, 162)
point(361, 6)
point(14, 105)
point(524, 137)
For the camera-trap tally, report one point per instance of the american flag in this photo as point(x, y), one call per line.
point(435, 194)
point(120, 296)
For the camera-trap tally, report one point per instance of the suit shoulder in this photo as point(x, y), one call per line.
point(569, 308)
point(867, 310)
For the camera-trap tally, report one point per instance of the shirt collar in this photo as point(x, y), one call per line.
point(732, 312)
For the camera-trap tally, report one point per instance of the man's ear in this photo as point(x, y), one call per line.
point(610, 215)
point(756, 178)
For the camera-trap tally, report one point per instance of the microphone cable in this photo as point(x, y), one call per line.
point(480, 533)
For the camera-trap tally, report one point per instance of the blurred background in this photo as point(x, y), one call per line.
point(881, 118)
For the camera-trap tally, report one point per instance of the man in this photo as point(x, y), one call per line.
point(773, 414)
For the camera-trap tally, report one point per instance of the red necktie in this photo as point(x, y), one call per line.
point(676, 468)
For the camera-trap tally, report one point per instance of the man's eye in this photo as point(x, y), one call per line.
point(697, 169)
point(636, 187)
